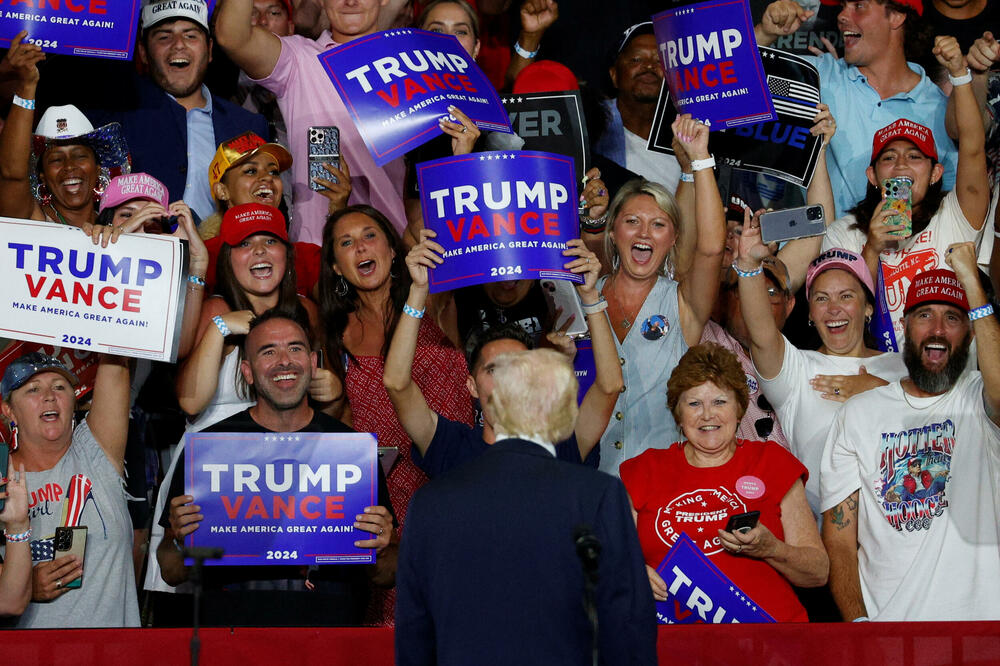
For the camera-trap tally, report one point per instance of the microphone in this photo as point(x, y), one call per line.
point(588, 548)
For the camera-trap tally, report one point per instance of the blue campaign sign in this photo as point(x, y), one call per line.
point(500, 216)
point(281, 498)
point(713, 69)
point(398, 84)
point(699, 593)
point(97, 28)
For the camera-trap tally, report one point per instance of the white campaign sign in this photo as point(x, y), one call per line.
point(59, 288)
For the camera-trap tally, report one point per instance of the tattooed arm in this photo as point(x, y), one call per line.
point(840, 536)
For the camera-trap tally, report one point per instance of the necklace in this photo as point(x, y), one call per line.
point(906, 397)
point(626, 320)
point(61, 219)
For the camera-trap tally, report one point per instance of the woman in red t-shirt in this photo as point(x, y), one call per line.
point(694, 487)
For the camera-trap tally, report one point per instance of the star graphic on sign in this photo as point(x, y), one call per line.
point(705, 504)
point(481, 158)
point(731, 588)
point(701, 529)
point(754, 607)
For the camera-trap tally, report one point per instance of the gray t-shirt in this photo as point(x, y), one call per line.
point(84, 488)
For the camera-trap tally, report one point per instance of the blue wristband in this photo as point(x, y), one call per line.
point(413, 312)
point(221, 325)
point(748, 274)
point(980, 312)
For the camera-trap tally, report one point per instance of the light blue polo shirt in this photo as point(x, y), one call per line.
point(860, 112)
point(201, 146)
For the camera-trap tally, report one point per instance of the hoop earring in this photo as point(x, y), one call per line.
point(42, 194)
point(102, 184)
point(341, 288)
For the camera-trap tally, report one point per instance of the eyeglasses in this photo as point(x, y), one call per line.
point(764, 425)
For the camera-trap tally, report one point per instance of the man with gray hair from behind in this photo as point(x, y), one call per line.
point(500, 553)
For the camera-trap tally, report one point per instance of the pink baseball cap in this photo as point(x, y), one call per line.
point(937, 286)
point(917, 134)
point(249, 219)
point(845, 260)
point(133, 186)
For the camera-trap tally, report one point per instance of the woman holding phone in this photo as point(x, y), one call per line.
point(697, 486)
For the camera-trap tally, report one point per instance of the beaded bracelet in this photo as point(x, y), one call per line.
point(980, 312)
point(413, 312)
point(194, 279)
point(20, 537)
point(748, 274)
point(221, 325)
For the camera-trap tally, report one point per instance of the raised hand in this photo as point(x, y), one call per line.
point(949, 54)
point(424, 255)
point(463, 131)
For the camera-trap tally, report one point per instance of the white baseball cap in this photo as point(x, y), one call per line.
point(157, 11)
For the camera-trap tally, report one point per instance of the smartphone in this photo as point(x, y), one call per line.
point(743, 522)
point(562, 298)
point(4, 460)
point(71, 541)
point(792, 223)
point(898, 194)
point(324, 147)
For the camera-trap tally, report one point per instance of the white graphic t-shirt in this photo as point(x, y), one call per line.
point(928, 475)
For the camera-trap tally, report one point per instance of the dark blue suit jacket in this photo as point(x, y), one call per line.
point(155, 127)
point(488, 571)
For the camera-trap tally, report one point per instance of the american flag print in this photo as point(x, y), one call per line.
point(793, 98)
point(43, 550)
point(79, 493)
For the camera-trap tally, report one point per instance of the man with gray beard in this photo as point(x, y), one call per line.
point(911, 472)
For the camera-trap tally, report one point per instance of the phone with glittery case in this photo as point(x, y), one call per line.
point(324, 148)
point(898, 192)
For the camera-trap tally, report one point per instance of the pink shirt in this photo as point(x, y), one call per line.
point(307, 98)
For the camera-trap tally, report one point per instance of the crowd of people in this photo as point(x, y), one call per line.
point(308, 309)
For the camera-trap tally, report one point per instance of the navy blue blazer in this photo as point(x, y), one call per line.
point(155, 127)
point(488, 571)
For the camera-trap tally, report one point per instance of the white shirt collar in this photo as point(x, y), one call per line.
point(536, 439)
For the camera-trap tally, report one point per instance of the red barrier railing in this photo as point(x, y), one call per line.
point(879, 644)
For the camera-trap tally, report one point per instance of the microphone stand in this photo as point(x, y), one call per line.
point(588, 549)
point(199, 555)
